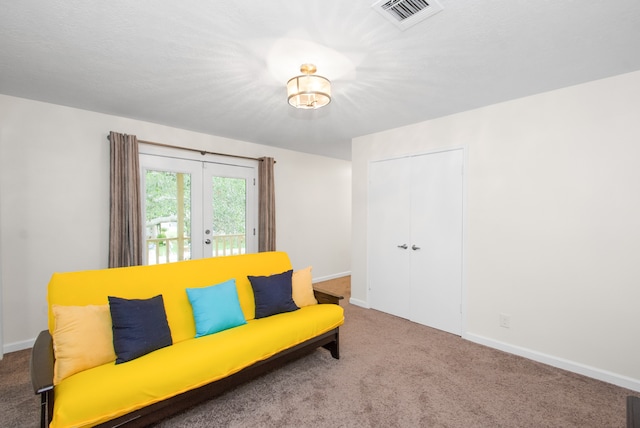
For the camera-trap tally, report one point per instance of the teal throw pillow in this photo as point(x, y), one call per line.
point(216, 308)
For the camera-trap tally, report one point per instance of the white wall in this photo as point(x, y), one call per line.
point(552, 222)
point(54, 211)
point(1, 341)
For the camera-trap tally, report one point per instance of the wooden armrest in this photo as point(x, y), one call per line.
point(323, 296)
point(42, 361)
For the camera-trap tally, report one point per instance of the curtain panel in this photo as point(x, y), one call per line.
point(125, 226)
point(267, 205)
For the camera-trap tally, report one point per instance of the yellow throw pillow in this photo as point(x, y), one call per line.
point(302, 288)
point(82, 339)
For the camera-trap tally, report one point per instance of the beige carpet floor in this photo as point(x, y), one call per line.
point(392, 373)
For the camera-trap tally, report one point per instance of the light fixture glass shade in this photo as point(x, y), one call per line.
point(309, 91)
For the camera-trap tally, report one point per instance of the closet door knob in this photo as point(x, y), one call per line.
point(413, 247)
point(403, 246)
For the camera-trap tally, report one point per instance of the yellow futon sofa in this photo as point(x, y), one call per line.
point(130, 346)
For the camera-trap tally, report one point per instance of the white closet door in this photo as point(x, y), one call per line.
point(389, 231)
point(436, 233)
point(415, 238)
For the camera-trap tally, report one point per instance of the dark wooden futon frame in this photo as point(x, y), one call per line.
point(42, 361)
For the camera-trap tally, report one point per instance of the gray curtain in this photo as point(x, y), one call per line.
point(125, 227)
point(267, 206)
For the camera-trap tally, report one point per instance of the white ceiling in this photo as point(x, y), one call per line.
point(221, 67)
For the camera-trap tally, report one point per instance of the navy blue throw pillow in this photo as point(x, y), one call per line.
point(272, 294)
point(139, 326)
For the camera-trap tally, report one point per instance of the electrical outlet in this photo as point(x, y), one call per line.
point(505, 321)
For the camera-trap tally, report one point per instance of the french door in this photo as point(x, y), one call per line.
point(194, 209)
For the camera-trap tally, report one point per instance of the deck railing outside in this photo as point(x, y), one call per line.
point(166, 250)
point(228, 245)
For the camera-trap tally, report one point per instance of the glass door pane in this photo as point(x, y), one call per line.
point(172, 209)
point(167, 216)
point(229, 220)
point(229, 206)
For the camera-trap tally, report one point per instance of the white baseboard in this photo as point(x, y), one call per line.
point(18, 346)
point(334, 276)
point(358, 302)
point(561, 363)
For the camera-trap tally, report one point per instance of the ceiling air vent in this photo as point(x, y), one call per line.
point(406, 13)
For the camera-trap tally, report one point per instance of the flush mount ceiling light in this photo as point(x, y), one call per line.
point(308, 91)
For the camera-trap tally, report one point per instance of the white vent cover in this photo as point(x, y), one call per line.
point(406, 13)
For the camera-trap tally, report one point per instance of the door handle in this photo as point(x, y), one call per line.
point(413, 247)
point(207, 241)
point(403, 246)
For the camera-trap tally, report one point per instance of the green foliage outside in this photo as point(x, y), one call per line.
point(162, 197)
point(229, 201)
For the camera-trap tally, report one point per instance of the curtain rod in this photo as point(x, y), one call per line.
point(202, 152)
